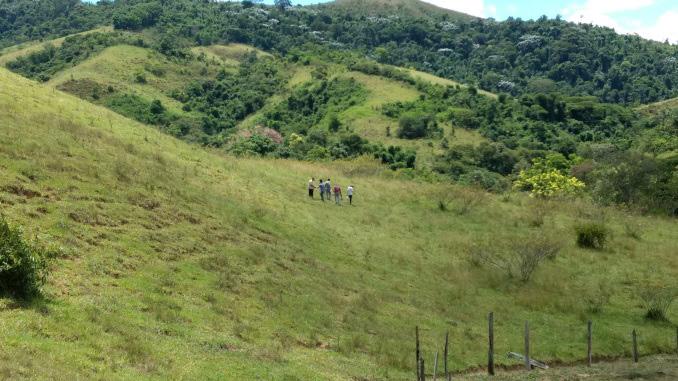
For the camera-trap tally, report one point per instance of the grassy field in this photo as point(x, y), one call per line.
point(119, 66)
point(654, 108)
point(179, 263)
point(442, 81)
point(231, 54)
point(367, 120)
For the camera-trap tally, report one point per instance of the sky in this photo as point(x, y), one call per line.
point(653, 19)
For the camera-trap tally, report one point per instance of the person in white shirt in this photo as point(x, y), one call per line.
point(311, 187)
point(349, 192)
point(328, 189)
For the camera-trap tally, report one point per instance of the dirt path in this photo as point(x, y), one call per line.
point(654, 368)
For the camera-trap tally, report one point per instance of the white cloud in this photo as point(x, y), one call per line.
point(606, 13)
point(607, 6)
point(492, 10)
point(599, 12)
point(666, 27)
point(471, 7)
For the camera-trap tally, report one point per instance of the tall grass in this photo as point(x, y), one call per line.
point(183, 263)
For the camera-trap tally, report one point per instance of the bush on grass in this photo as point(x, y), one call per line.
point(657, 300)
point(521, 260)
point(591, 235)
point(23, 268)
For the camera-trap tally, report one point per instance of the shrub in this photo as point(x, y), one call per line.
point(591, 235)
point(253, 145)
point(156, 107)
point(657, 300)
point(334, 124)
point(415, 126)
point(23, 268)
point(467, 200)
point(489, 181)
point(528, 254)
point(548, 184)
point(633, 230)
point(547, 178)
point(521, 260)
point(318, 153)
point(396, 157)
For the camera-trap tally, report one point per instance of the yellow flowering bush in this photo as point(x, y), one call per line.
point(543, 180)
point(295, 139)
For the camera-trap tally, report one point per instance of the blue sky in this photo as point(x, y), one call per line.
point(655, 19)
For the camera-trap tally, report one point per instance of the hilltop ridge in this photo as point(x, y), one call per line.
point(413, 8)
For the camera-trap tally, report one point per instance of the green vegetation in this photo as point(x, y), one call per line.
point(416, 125)
point(514, 56)
point(592, 235)
point(24, 21)
point(23, 268)
point(616, 154)
point(43, 64)
point(207, 257)
point(230, 97)
point(212, 251)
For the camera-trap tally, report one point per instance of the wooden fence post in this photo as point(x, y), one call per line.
point(435, 366)
point(590, 342)
point(490, 353)
point(423, 370)
point(447, 337)
point(634, 338)
point(528, 366)
point(418, 364)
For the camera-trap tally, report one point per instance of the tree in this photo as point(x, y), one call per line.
point(416, 126)
point(545, 179)
point(334, 124)
point(157, 108)
point(282, 5)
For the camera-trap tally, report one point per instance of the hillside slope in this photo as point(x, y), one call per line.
point(512, 56)
point(123, 74)
point(658, 107)
point(178, 263)
point(410, 8)
point(13, 52)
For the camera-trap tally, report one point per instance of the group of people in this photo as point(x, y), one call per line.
point(325, 189)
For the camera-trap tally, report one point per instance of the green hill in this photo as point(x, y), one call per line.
point(659, 107)
point(179, 262)
point(410, 8)
point(164, 162)
point(513, 56)
point(125, 72)
point(13, 52)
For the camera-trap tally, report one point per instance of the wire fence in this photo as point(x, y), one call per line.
point(526, 357)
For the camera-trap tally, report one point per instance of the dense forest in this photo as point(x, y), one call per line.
point(513, 56)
